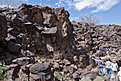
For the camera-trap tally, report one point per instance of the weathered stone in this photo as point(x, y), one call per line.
point(10, 38)
point(14, 48)
point(75, 76)
point(56, 66)
point(66, 62)
point(89, 68)
point(41, 71)
point(39, 76)
point(68, 69)
point(3, 26)
point(15, 72)
point(12, 66)
point(48, 32)
point(42, 30)
point(74, 66)
point(75, 58)
point(58, 56)
point(22, 60)
point(91, 75)
point(23, 76)
point(25, 69)
point(40, 67)
point(52, 30)
point(84, 60)
point(3, 10)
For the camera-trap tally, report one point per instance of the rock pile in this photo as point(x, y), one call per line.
point(42, 30)
point(96, 38)
point(23, 70)
point(3, 26)
point(30, 30)
point(34, 30)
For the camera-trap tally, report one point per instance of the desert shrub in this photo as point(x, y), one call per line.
point(61, 76)
point(89, 19)
point(8, 15)
point(3, 69)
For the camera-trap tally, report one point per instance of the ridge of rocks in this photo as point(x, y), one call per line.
point(31, 31)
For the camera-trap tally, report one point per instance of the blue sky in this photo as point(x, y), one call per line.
point(108, 11)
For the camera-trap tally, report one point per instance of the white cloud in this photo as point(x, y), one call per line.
point(11, 3)
point(106, 5)
point(56, 3)
point(59, 4)
point(40, 4)
point(74, 18)
point(2, 6)
point(100, 5)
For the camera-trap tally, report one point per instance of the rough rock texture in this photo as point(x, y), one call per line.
point(34, 30)
point(24, 70)
point(42, 30)
point(30, 30)
point(3, 26)
point(90, 74)
point(41, 72)
point(96, 38)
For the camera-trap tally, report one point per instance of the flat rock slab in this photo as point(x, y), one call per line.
point(39, 67)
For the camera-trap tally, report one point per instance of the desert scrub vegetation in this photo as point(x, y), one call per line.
point(3, 69)
point(89, 19)
point(61, 76)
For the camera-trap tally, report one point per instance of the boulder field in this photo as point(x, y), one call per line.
point(31, 31)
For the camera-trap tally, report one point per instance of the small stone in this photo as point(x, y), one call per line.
point(66, 62)
point(56, 66)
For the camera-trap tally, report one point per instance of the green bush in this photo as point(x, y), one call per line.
point(60, 76)
point(8, 15)
point(3, 68)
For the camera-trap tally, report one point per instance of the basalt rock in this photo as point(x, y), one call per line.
point(23, 69)
point(22, 61)
point(41, 71)
point(90, 74)
point(96, 38)
point(42, 30)
point(34, 30)
point(3, 26)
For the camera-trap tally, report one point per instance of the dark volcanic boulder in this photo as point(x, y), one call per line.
point(96, 38)
point(3, 10)
point(68, 69)
point(30, 13)
point(14, 48)
point(89, 74)
point(3, 26)
point(21, 61)
point(41, 71)
point(40, 67)
point(41, 76)
point(42, 30)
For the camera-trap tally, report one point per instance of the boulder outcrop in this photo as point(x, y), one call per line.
point(24, 70)
point(97, 39)
point(3, 26)
point(28, 32)
point(42, 30)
